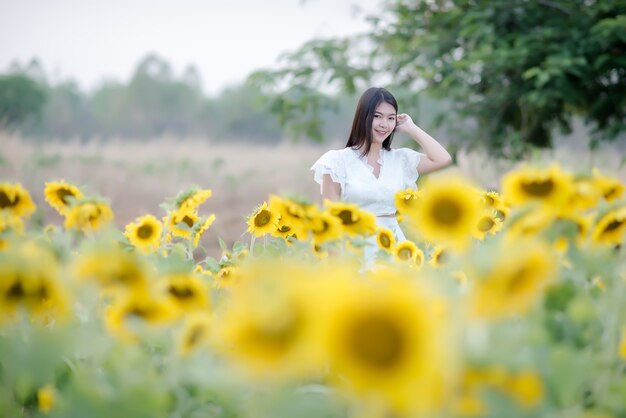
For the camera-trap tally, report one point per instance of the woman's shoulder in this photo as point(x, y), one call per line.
point(335, 154)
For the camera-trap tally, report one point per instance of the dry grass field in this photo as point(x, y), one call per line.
point(136, 176)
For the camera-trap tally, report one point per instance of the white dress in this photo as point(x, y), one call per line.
point(398, 170)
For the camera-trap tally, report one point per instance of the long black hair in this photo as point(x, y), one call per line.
point(361, 133)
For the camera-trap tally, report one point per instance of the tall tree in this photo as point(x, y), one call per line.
point(519, 69)
point(21, 98)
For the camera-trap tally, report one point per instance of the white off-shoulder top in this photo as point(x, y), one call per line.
point(398, 170)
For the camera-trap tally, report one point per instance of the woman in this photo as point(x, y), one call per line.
point(368, 171)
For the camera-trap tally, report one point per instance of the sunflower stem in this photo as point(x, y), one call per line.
point(252, 239)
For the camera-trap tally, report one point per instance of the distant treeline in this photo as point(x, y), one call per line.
point(153, 103)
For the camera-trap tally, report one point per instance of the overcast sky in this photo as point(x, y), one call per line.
point(90, 40)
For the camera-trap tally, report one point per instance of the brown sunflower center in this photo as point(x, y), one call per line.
point(16, 291)
point(405, 254)
point(283, 229)
point(385, 241)
point(181, 292)
point(63, 194)
point(538, 188)
point(489, 200)
point(262, 218)
point(186, 219)
point(447, 212)
point(6, 202)
point(485, 224)
point(377, 342)
point(347, 217)
point(518, 281)
point(612, 226)
point(145, 231)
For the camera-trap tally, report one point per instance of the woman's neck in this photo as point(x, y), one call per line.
point(375, 149)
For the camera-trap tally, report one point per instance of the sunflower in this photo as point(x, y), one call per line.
point(355, 221)
point(145, 233)
point(407, 251)
point(406, 200)
point(137, 308)
point(201, 227)
point(439, 256)
point(387, 341)
point(551, 187)
point(530, 221)
point(185, 291)
point(325, 227)
point(189, 200)
point(262, 221)
point(610, 188)
point(488, 223)
point(180, 223)
point(88, 215)
point(294, 213)
point(493, 200)
point(447, 212)
point(385, 239)
point(284, 230)
point(30, 280)
point(268, 327)
point(611, 227)
point(16, 199)
point(60, 195)
point(514, 279)
point(196, 332)
point(227, 276)
point(46, 398)
point(115, 270)
point(10, 225)
point(586, 194)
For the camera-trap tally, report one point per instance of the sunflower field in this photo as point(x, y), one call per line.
point(502, 303)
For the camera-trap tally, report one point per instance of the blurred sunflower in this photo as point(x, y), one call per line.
point(354, 220)
point(88, 215)
point(227, 276)
point(385, 239)
point(10, 226)
point(611, 227)
point(407, 251)
point(16, 199)
point(185, 291)
point(180, 223)
point(325, 227)
point(30, 280)
point(514, 278)
point(115, 270)
point(493, 200)
point(439, 256)
point(145, 233)
point(406, 200)
point(387, 342)
point(189, 200)
point(283, 230)
point(488, 223)
point(294, 213)
point(551, 187)
point(139, 306)
point(196, 332)
point(262, 221)
point(268, 327)
point(447, 212)
point(60, 195)
point(201, 227)
point(610, 187)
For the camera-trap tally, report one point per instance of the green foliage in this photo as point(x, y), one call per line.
point(518, 69)
point(21, 98)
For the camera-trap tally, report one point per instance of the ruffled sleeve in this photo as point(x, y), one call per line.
point(410, 159)
point(332, 163)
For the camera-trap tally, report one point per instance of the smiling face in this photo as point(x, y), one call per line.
point(384, 122)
